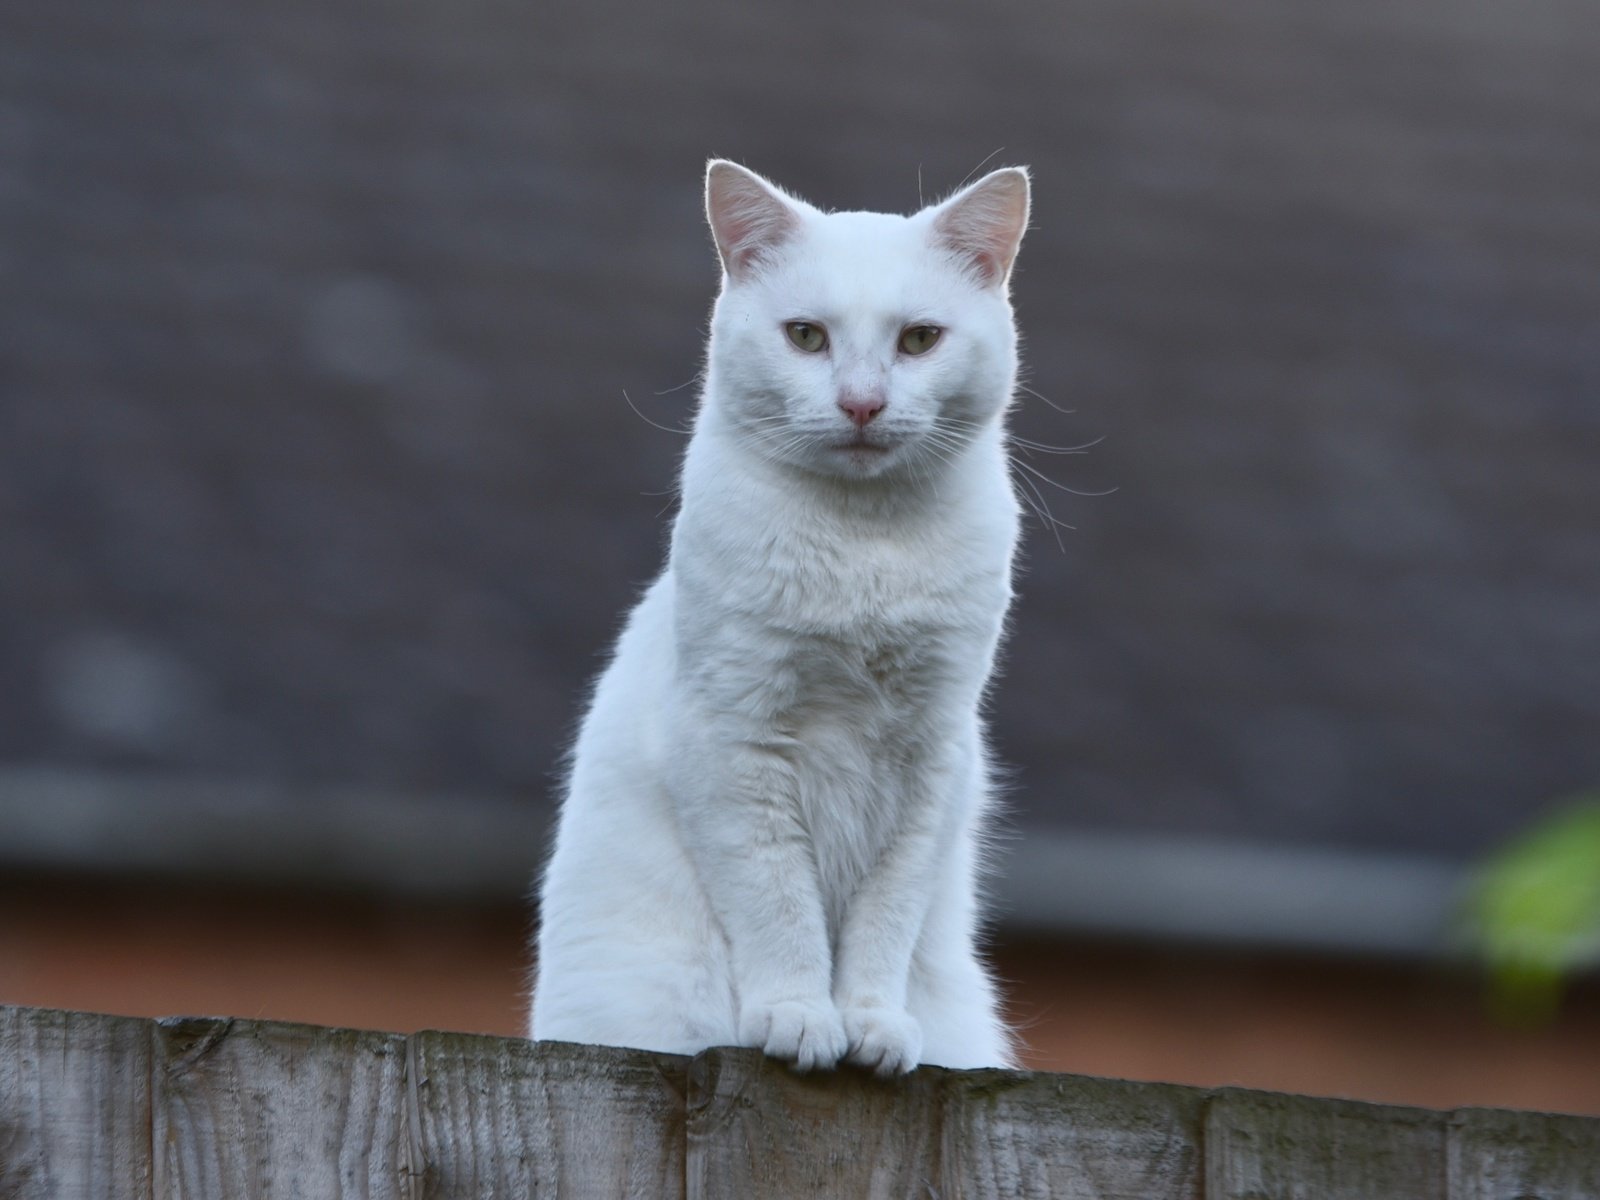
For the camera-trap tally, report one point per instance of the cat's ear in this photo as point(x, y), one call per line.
point(984, 222)
point(750, 218)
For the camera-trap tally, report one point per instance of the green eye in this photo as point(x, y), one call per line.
point(919, 339)
point(808, 337)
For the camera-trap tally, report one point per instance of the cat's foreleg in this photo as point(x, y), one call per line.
point(951, 994)
point(885, 919)
point(740, 812)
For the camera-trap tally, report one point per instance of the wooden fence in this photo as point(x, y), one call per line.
point(116, 1108)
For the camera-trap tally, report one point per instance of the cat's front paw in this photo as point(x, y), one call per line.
point(805, 1033)
point(887, 1041)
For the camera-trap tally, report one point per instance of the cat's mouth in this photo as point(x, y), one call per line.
point(861, 456)
point(858, 445)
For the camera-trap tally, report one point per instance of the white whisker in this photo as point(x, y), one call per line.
point(1033, 470)
point(692, 379)
point(1066, 412)
point(1023, 443)
point(648, 421)
point(979, 167)
point(1036, 501)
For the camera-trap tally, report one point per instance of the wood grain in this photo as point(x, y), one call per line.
point(1498, 1155)
point(1071, 1136)
point(758, 1130)
point(1261, 1146)
point(113, 1108)
point(74, 1106)
point(497, 1117)
point(248, 1109)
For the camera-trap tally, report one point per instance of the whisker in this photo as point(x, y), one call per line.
point(1041, 509)
point(680, 387)
point(947, 424)
point(1046, 448)
point(979, 167)
point(943, 438)
point(1066, 412)
point(943, 452)
point(648, 421)
point(1033, 470)
point(920, 470)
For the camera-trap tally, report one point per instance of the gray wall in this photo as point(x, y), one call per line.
point(316, 322)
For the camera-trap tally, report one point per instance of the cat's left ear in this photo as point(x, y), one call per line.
point(984, 222)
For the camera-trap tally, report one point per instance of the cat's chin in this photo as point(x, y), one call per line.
point(858, 460)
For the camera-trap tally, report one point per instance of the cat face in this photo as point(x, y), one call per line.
point(862, 344)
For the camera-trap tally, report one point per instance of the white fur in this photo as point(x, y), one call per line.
point(774, 817)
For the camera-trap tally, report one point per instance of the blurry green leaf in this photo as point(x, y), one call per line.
point(1536, 911)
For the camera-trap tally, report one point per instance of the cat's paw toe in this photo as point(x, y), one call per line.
point(887, 1041)
point(805, 1033)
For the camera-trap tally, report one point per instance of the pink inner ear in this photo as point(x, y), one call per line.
point(990, 267)
point(985, 223)
point(748, 219)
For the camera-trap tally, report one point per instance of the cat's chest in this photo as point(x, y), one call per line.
point(816, 616)
point(880, 595)
point(854, 636)
point(897, 670)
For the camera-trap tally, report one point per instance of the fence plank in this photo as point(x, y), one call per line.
point(1495, 1155)
point(96, 1107)
point(501, 1118)
point(1261, 1145)
point(756, 1130)
point(74, 1106)
point(248, 1109)
point(1070, 1136)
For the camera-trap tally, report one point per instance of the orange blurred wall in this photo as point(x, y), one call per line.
point(1390, 1034)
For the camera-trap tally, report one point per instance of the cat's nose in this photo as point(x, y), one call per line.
point(861, 407)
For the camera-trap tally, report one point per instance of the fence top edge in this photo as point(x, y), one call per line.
point(14, 1017)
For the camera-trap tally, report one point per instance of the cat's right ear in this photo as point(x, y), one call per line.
point(749, 217)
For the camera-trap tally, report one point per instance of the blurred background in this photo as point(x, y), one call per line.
point(321, 495)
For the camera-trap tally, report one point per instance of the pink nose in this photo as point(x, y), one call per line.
point(861, 409)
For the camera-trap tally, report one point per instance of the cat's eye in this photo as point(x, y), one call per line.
point(919, 339)
point(807, 336)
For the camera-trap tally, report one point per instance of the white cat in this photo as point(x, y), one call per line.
point(774, 819)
